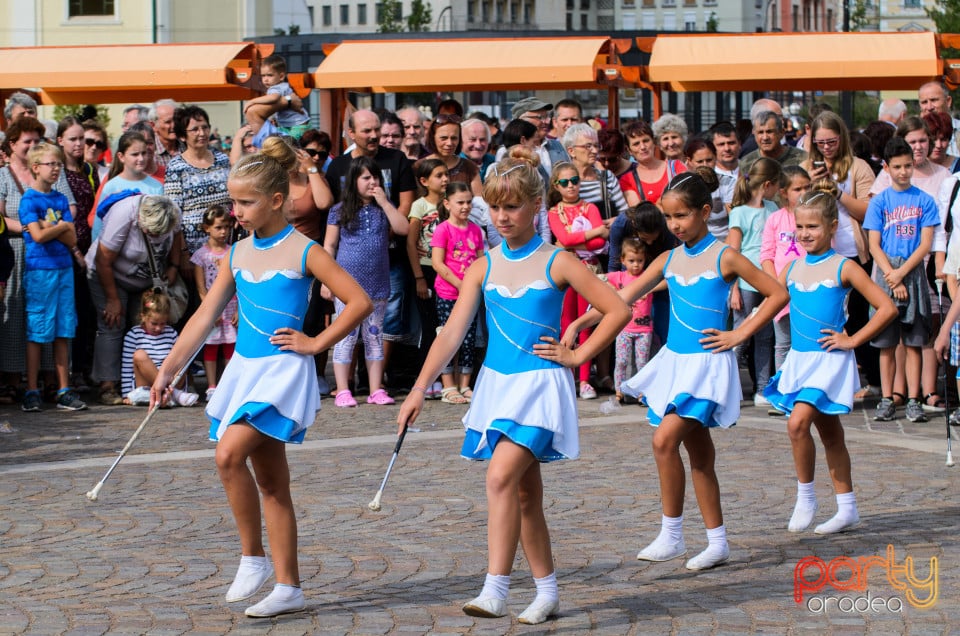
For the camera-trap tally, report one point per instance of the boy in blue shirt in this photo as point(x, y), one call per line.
point(900, 222)
point(50, 242)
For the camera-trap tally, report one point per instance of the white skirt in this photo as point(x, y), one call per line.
point(542, 398)
point(276, 394)
point(704, 377)
point(825, 379)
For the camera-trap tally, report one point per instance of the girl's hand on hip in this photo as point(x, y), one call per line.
point(717, 341)
point(288, 339)
point(835, 340)
point(555, 351)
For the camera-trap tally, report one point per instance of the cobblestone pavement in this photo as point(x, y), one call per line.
point(156, 553)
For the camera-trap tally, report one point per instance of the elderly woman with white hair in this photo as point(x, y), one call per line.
point(599, 187)
point(18, 105)
point(119, 271)
point(670, 132)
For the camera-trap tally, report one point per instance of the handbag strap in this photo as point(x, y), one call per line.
point(13, 175)
point(636, 179)
point(606, 194)
point(948, 225)
point(152, 260)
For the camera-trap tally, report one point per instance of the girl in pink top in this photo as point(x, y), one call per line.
point(779, 247)
point(632, 346)
point(456, 243)
point(578, 227)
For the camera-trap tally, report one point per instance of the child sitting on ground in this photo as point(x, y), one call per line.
point(145, 347)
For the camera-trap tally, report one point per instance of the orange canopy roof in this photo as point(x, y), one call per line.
point(794, 61)
point(464, 65)
point(135, 73)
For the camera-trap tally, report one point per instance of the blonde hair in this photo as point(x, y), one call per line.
point(822, 197)
point(762, 171)
point(515, 178)
point(154, 302)
point(42, 149)
point(270, 168)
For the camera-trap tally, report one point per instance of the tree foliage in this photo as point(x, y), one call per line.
point(82, 112)
point(421, 15)
point(945, 15)
point(390, 17)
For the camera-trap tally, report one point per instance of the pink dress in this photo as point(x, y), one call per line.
point(224, 332)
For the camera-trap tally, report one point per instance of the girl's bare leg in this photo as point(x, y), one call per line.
point(804, 459)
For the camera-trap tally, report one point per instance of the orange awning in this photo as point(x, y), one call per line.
point(404, 66)
point(794, 61)
point(135, 73)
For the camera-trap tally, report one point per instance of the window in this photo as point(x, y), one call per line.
point(569, 21)
point(689, 3)
point(689, 21)
point(584, 5)
point(472, 11)
point(605, 23)
point(669, 3)
point(649, 4)
point(327, 12)
point(79, 8)
point(583, 22)
point(344, 14)
point(361, 14)
point(907, 4)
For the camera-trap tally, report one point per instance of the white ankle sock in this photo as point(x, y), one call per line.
point(717, 539)
point(805, 508)
point(718, 551)
point(847, 515)
point(185, 398)
point(547, 589)
point(285, 592)
point(496, 586)
point(671, 529)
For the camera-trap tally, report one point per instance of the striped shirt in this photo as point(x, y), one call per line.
point(592, 192)
point(157, 347)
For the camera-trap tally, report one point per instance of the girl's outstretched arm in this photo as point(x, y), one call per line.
point(643, 284)
point(942, 343)
point(854, 275)
point(447, 342)
point(357, 307)
point(604, 300)
point(733, 263)
point(194, 332)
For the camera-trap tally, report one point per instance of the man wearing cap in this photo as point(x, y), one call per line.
point(537, 112)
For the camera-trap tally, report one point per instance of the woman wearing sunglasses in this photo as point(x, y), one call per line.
point(443, 142)
point(95, 144)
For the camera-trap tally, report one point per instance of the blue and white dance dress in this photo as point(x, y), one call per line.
point(274, 391)
point(825, 379)
point(519, 395)
point(684, 378)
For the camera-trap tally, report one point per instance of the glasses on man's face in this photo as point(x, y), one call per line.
point(535, 116)
point(826, 143)
point(588, 146)
point(563, 183)
point(90, 141)
point(196, 130)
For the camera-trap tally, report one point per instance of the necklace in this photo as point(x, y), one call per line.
point(271, 241)
point(523, 252)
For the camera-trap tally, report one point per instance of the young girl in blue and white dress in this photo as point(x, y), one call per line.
point(268, 392)
point(524, 410)
point(817, 381)
point(693, 383)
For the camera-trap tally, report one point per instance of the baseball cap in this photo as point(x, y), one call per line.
point(529, 104)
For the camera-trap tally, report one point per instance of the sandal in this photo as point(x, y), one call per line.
point(467, 392)
point(110, 397)
point(938, 403)
point(451, 395)
point(899, 399)
point(380, 397)
point(866, 391)
point(345, 399)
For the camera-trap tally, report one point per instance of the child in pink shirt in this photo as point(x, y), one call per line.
point(456, 243)
point(779, 248)
point(632, 346)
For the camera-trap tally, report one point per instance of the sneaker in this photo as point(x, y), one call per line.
point(31, 402)
point(209, 394)
point(139, 396)
point(886, 411)
point(380, 397)
point(68, 400)
point(915, 412)
point(197, 370)
point(759, 401)
point(587, 392)
point(955, 418)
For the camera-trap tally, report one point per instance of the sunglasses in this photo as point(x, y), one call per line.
point(95, 142)
point(447, 119)
point(322, 154)
point(563, 183)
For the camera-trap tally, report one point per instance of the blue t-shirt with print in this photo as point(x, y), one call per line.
point(899, 217)
point(51, 207)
